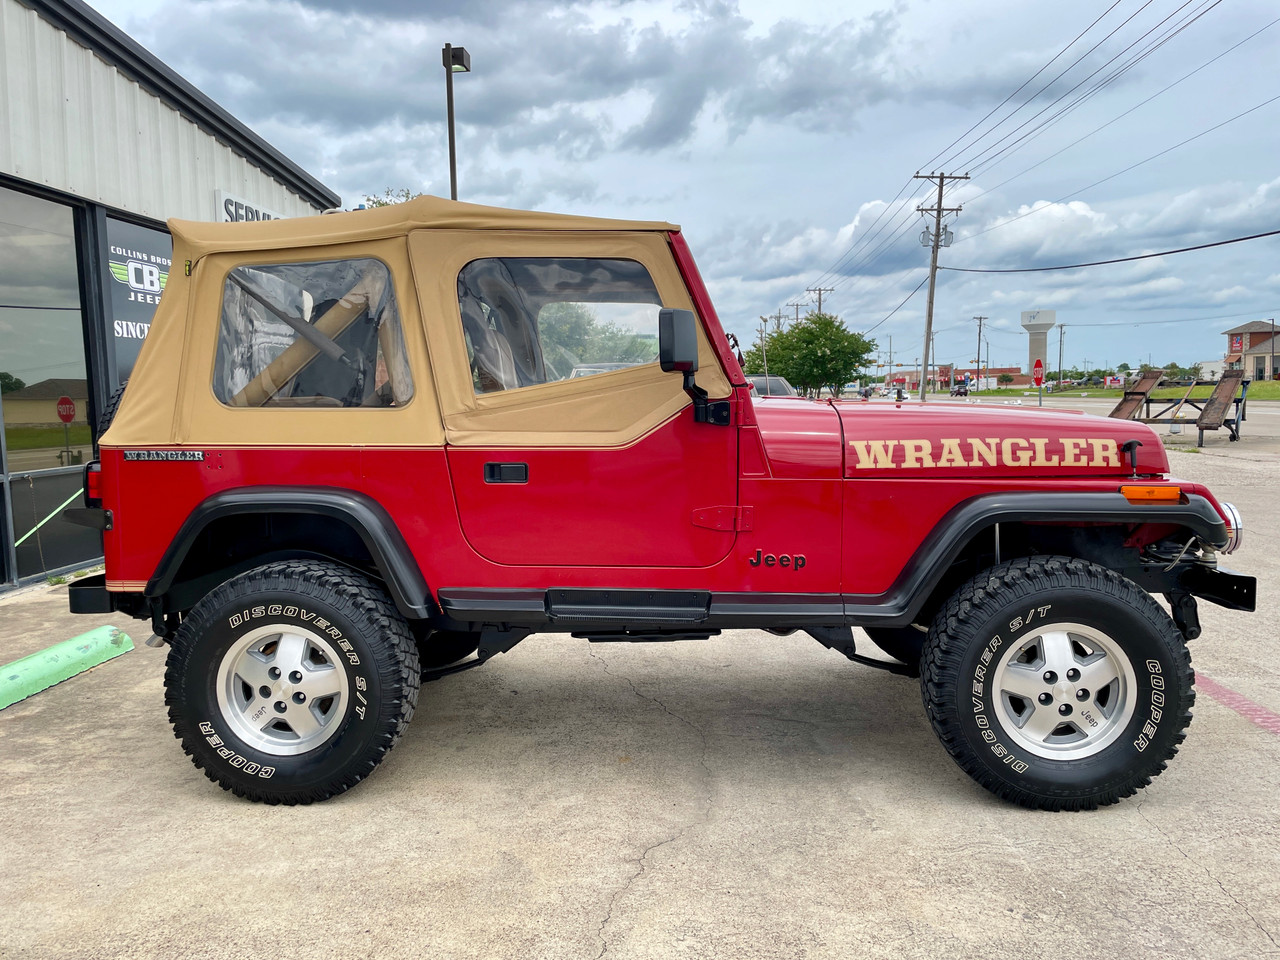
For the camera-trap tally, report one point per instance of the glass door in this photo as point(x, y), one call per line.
point(44, 387)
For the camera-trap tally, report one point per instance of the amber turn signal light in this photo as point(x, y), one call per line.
point(1152, 494)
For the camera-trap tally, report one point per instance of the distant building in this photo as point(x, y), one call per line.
point(1211, 369)
point(37, 405)
point(1252, 347)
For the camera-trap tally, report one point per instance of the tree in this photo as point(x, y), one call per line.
point(389, 196)
point(1005, 378)
point(1123, 367)
point(570, 334)
point(10, 383)
point(816, 352)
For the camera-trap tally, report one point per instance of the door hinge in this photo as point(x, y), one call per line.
point(724, 518)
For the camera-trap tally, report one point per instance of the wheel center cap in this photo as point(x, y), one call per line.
point(283, 689)
point(1062, 690)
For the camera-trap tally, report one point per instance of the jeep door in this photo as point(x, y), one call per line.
point(566, 443)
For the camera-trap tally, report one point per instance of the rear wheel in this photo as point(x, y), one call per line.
point(1056, 683)
point(291, 682)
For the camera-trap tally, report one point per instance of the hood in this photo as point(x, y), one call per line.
point(951, 439)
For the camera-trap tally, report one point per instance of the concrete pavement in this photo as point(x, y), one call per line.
point(745, 796)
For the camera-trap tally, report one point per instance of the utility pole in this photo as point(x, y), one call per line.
point(1271, 368)
point(937, 210)
point(933, 351)
point(797, 304)
point(764, 353)
point(819, 291)
point(977, 364)
point(1062, 330)
point(890, 377)
point(777, 321)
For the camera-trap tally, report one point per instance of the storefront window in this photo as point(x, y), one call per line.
point(43, 386)
point(139, 259)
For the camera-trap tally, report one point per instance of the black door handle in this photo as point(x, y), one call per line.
point(506, 473)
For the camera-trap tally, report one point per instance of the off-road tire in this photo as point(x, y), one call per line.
point(356, 653)
point(904, 644)
point(1105, 623)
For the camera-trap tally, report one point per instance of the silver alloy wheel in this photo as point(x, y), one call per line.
point(282, 689)
point(1064, 690)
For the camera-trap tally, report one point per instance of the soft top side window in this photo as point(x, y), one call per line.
point(543, 319)
point(321, 334)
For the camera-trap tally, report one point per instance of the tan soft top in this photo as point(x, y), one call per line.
point(199, 238)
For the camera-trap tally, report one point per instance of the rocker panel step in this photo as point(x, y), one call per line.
point(631, 606)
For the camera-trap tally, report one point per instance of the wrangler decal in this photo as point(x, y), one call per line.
point(169, 455)
point(985, 452)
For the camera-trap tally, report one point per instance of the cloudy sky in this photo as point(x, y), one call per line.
point(779, 135)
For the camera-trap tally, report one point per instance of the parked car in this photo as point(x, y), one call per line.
point(587, 369)
point(342, 466)
point(771, 386)
point(960, 389)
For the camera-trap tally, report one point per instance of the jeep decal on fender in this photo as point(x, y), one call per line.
point(986, 452)
point(794, 561)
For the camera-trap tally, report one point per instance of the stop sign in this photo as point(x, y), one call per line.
point(1037, 373)
point(66, 409)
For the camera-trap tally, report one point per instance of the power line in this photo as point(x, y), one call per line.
point(1121, 116)
point(867, 235)
point(1013, 147)
point(899, 306)
point(977, 158)
point(929, 162)
point(1101, 263)
point(864, 243)
point(1132, 166)
point(1152, 323)
point(857, 256)
point(1031, 99)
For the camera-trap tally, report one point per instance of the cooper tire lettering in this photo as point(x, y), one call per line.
point(1071, 624)
point(307, 697)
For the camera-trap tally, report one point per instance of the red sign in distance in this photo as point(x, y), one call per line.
point(1037, 373)
point(66, 409)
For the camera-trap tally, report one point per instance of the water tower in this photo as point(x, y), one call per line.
point(1038, 323)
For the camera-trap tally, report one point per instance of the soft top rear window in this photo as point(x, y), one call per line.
point(320, 334)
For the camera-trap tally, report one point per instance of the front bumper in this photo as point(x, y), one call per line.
point(1226, 588)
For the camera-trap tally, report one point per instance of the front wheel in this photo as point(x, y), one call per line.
point(1056, 683)
point(289, 683)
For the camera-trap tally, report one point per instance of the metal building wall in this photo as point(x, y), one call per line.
point(71, 121)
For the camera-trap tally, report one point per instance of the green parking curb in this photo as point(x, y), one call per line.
point(21, 678)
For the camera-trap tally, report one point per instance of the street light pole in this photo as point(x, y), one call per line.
point(456, 60)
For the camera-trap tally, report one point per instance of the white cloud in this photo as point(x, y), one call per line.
point(776, 134)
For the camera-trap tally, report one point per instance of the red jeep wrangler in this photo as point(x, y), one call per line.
point(366, 448)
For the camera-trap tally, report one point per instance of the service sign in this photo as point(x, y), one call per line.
point(233, 209)
point(139, 260)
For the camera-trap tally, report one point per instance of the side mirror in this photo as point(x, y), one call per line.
point(677, 340)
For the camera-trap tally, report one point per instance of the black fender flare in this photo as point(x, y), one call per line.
point(922, 574)
point(368, 518)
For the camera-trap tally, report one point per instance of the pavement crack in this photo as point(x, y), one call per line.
point(642, 862)
point(1208, 873)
